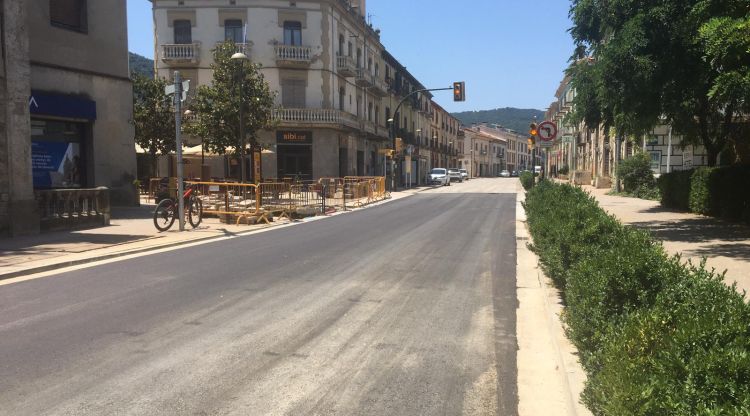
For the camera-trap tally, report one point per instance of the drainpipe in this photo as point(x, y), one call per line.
point(669, 151)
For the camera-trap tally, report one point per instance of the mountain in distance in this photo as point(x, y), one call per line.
point(512, 118)
point(141, 65)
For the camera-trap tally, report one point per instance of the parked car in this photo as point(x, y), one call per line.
point(455, 175)
point(464, 174)
point(439, 176)
point(505, 174)
point(514, 173)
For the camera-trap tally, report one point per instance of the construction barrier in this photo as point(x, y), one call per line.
point(231, 201)
point(242, 202)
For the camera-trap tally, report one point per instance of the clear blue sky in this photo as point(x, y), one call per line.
point(511, 53)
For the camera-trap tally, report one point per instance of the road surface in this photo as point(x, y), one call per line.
point(407, 308)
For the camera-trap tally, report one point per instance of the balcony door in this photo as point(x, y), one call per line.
point(183, 32)
point(233, 31)
point(293, 33)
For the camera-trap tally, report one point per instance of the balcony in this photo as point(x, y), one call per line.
point(345, 66)
point(293, 55)
point(363, 78)
point(187, 53)
point(240, 47)
point(315, 117)
point(379, 87)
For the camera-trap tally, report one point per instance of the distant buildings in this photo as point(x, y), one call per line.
point(67, 99)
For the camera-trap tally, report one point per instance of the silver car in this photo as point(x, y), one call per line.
point(464, 174)
point(455, 175)
point(439, 176)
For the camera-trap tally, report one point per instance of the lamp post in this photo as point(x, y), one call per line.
point(241, 58)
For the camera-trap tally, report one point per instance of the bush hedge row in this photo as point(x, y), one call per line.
point(719, 192)
point(655, 336)
point(527, 179)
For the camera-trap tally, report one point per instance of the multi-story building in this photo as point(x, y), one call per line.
point(67, 96)
point(338, 87)
point(591, 151)
point(483, 154)
point(516, 156)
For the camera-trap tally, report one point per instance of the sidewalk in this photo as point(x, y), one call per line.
point(131, 231)
point(725, 245)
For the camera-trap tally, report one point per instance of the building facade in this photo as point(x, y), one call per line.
point(592, 152)
point(337, 86)
point(483, 153)
point(67, 63)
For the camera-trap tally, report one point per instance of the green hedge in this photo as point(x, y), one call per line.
point(721, 192)
point(527, 179)
point(655, 336)
point(675, 189)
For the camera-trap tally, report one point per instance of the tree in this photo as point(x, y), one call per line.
point(153, 117)
point(653, 64)
point(217, 105)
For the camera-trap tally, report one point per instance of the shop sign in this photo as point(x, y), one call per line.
point(59, 105)
point(294, 137)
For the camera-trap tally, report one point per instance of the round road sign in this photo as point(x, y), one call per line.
point(547, 131)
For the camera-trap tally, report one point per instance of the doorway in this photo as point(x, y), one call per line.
point(295, 161)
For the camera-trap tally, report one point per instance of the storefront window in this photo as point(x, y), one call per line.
point(57, 154)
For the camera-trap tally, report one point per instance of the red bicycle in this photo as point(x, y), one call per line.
point(166, 212)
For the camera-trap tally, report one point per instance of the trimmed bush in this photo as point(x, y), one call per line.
point(564, 170)
point(687, 355)
point(611, 283)
point(636, 175)
point(675, 189)
point(700, 201)
point(656, 337)
point(527, 179)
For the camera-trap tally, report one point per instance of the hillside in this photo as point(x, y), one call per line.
point(141, 65)
point(513, 118)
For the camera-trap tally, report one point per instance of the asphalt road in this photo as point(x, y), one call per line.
point(402, 309)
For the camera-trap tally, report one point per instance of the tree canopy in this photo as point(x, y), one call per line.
point(640, 63)
point(217, 106)
point(153, 116)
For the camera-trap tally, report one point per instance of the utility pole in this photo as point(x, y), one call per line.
point(178, 143)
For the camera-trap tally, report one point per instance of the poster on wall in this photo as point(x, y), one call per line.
point(56, 164)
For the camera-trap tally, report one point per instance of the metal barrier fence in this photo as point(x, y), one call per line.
point(231, 201)
point(240, 202)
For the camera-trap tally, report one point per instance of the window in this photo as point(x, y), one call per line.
point(369, 111)
point(293, 93)
point(342, 98)
point(293, 33)
point(341, 45)
point(233, 31)
point(377, 114)
point(69, 14)
point(183, 32)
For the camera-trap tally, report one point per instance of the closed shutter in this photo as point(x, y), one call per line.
point(293, 93)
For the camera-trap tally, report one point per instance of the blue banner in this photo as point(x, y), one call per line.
point(56, 164)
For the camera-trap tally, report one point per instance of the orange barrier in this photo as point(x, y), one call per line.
point(230, 199)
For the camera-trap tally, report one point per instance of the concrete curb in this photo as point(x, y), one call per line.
point(78, 262)
point(550, 379)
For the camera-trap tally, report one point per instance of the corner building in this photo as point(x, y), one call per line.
point(67, 102)
point(337, 85)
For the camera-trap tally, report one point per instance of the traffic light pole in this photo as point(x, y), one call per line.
point(392, 130)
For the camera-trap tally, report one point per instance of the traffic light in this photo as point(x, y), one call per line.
point(399, 145)
point(533, 129)
point(532, 142)
point(459, 93)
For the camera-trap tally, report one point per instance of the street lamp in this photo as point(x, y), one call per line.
point(241, 58)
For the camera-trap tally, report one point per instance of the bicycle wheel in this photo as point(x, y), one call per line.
point(195, 212)
point(164, 215)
